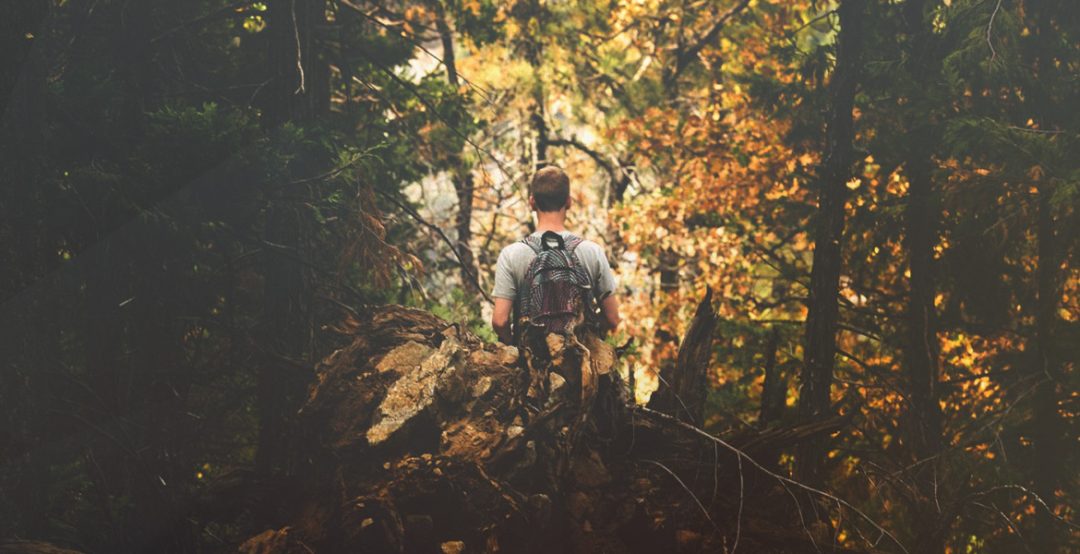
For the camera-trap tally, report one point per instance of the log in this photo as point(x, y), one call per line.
point(420, 437)
point(16, 546)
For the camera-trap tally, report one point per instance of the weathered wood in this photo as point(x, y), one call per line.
point(422, 438)
point(32, 547)
point(683, 387)
point(774, 386)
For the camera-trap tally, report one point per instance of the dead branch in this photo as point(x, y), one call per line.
point(786, 480)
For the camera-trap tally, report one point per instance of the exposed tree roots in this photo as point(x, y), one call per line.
point(422, 438)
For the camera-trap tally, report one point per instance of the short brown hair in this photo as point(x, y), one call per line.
point(550, 188)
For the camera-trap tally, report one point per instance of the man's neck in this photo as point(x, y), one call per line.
point(551, 221)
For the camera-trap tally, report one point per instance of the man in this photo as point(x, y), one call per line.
point(549, 197)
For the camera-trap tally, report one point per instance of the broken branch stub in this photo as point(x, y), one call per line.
point(683, 387)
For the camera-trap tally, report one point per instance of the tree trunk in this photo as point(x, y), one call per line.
point(534, 51)
point(774, 387)
point(820, 343)
point(1049, 428)
point(922, 419)
point(462, 176)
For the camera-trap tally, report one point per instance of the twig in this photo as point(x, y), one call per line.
point(684, 57)
point(689, 414)
point(352, 311)
point(1031, 493)
point(197, 20)
point(802, 517)
point(766, 471)
point(791, 34)
point(438, 230)
point(299, 52)
point(738, 517)
point(480, 152)
point(716, 473)
point(1007, 522)
point(412, 39)
point(617, 171)
point(687, 489)
point(990, 29)
point(329, 174)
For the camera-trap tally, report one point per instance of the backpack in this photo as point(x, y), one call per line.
point(556, 290)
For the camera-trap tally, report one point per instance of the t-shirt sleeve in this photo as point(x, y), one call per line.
point(603, 276)
point(505, 287)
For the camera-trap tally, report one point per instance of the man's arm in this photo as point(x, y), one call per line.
point(605, 283)
point(504, 292)
point(500, 319)
point(609, 309)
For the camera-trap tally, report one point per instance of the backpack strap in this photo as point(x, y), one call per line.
point(544, 242)
point(533, 243)
point(572, 242)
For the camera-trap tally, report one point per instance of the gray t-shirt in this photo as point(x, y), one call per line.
point(515, 258)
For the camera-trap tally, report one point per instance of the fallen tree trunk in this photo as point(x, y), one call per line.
point(422, 438)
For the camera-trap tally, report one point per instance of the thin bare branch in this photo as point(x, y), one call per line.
point(442, 234)
point(687, 489)
point(786, 480)
point(990, 30)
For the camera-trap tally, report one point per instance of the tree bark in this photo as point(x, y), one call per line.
point(774, 387)
point(1049, 428)
point(684, 386)
point(820, 349)
point(534, 51)
point(462, 176)
point(923, 419)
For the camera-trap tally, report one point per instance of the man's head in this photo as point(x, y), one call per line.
point(549, 190)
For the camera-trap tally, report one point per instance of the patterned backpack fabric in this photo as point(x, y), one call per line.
point(556, 289)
